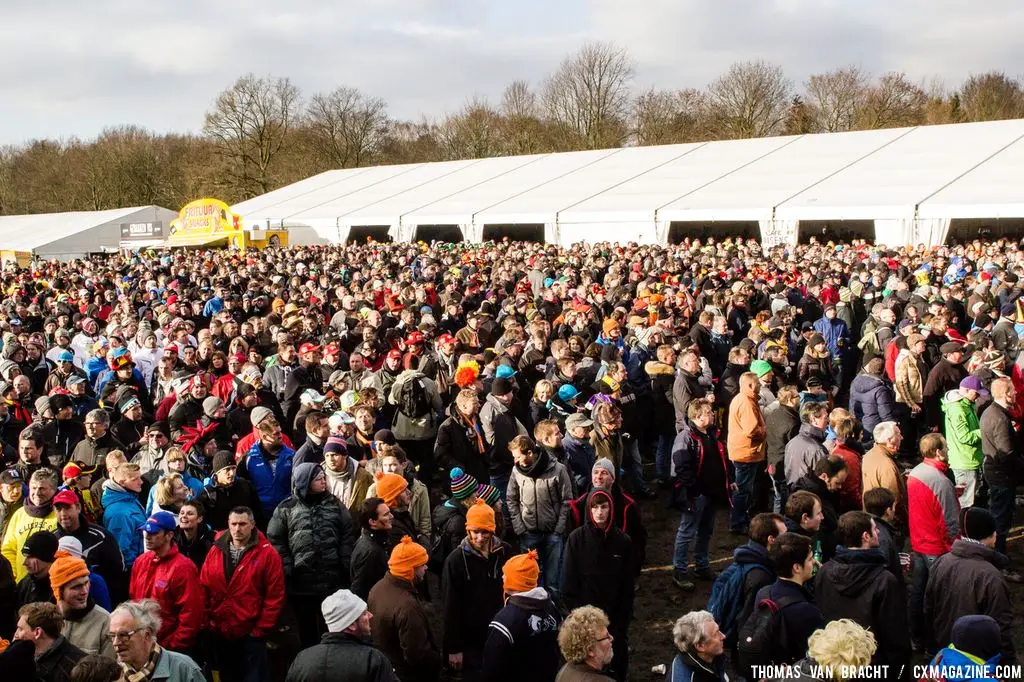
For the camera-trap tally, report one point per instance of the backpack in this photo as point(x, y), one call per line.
point(762, 638)
point(413, 401)
point(726, 601)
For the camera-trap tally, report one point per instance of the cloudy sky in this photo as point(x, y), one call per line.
point(73, 68)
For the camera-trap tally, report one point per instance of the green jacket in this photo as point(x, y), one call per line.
point(963, 434)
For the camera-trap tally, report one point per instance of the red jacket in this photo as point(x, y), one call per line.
point(224, 388)
point(246, 442)
point(250, 600)
point(850, 497)
point(933, 508)
point(173, 582)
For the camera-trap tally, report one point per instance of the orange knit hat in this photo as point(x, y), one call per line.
point(480, 517)
point(405, 558)
point(521, 572)
point(390, 486)
point(64, 569)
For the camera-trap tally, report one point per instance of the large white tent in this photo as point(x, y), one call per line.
point(903, 185)
point(79, 233)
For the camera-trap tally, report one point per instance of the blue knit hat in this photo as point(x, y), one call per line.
point(463, 485)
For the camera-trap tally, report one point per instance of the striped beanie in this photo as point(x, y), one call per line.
point(488, 493)
point(463, 485)
point(335, 444)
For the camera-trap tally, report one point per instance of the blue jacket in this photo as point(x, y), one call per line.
point(952, 658)
point(122, 516)
point(872, 401)
point(836, 335)
point(107, 375)
point(195, 486)
point(94, 367)
point(272, 485)
point(684, 667)
point(635, 358)
point(579, 455)
point(99, 591)
point(213, 306)
point(83, 405)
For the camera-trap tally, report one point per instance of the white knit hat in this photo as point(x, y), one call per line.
point(341, 609)
point(71, 544)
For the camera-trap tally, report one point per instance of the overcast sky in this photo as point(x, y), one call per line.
point(73, 68)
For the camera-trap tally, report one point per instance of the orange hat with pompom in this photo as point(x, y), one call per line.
point(480, 517)
point(521, 572)
point(389, 487)
point(406, 557)
point(64, 569)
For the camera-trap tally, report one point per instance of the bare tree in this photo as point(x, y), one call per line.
point(250, 123)
point(800, 118)
point(346, 128)
point(991, 96)
point(473, 133)
point(834, 98)
point(894, 102)
point(588, 97)
point(522, 132)
point(670, 117)
point(751, 99)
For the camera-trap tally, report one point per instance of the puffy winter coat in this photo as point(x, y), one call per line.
point(472, 592)
point(314, 536)
point(538, 497)
point(857, 585)
point(173, 582)
point(122, 516)
point(872, 401)
point(273, 484)
point(910, 375)
point(803, 452)
point(933, 508)
point(967, 581)
point(248, 599)
point(361, 661)
point(836, 335)
point(963, 432)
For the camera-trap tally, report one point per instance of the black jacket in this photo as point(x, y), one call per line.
point(522, 640)
point(760, 576)
point(219, 501)
point(369, 561)
point(473, 593)
point(339, 651)
point(829, 509)
point(800, 619)
point(302, 377)
point(449, 522)
point(782, 423)
point(456, 446)
point(598, 569)
point(1000, 443)
point(857, 585)
point(100, 551)
point(61, 436)
point(196, 549)
point(32, 589)
point(968, 580)
point(57, 662)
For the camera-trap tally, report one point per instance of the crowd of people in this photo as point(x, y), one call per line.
point(416, 462)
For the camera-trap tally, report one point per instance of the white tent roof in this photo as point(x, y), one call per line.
point(950, 171)
point(890, 182)
point(74, 233)
point(993, 189)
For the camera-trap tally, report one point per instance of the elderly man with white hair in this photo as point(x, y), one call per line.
point(701, 647)
point(344, 647)
point(133, 628)
point(880, 470)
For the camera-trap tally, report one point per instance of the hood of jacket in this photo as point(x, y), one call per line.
point(536, 599)
point(863, 383)
point(752, 553)
point(954, 400)
point(112, 493)
point(812, 432)
point(302, 478)
point(498, 406)
point(856, 569)
point(972, 549)
point(657, 368)
point(595, 494)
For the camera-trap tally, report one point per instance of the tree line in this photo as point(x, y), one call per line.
point(262, 132)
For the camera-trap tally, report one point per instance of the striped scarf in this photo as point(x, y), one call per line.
point(130, 674)
point(474, 427)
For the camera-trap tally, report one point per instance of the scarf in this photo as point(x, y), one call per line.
point(363, 440)
point(37, 512)
point(143, 674)
point(474, 428)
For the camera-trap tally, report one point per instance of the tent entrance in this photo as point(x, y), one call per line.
point(363, 233)
point(720, 230)
point(514, 233)
point(968, 229)
point(836, 230)
point(438, 233)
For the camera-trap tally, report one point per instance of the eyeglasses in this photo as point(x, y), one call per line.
point(115, 636)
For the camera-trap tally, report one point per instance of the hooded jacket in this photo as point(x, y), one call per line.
point(856, 584)
point(969, 580)
point(247, 597)
point(538, 496)
point(963, 432)
point(271, 481)
point(123, 514)
point(313, 533)
point(522, 640)
point(760, 575)
point(472, 594)
point(173, 581)
point(872, 401)
point(599, 567)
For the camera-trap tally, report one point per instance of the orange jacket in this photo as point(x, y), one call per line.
point(746, 441)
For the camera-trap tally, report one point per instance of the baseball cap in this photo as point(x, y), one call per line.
point(332, 349)
point(577, 420)
point(161, 520)
point(75, 379)
point(65, 497)
point(312, 397)
point(973, 383)
point(10, 477)
point(66, 356)
point(504, 372)
point(309, 348)
point(395, 355)
point(445, 338)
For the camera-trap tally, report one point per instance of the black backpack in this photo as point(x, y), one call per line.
point(413, 401)
point(762, 638)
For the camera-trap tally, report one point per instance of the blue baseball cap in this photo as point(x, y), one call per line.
point(504, 372)
point(66, 356)
point(162, 520)
point(567, 392)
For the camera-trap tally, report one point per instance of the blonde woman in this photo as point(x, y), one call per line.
point(836, 653)
point(169, 493)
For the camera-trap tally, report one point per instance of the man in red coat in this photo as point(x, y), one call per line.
point(164, 574)
point(243, 584)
